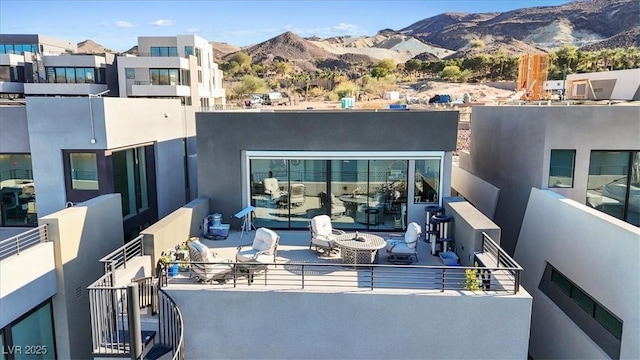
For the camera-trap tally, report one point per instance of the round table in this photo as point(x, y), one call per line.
point(361, 251)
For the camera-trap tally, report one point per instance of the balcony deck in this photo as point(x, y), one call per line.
point(329, 274)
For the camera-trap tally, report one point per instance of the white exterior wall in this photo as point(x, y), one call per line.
point(352, 325)
point(627, 81)
point(81, 235)
point(66, 123)
point(14, 131)
point(26, 280)
point(94, 61)
point(598, 253)
point(142, 66)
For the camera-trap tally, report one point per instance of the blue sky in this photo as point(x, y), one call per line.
point(116, 24)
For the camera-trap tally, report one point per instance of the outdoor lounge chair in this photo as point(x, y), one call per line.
point(263, 249)
point(198, 252)
point(323, 235)
point(272, 188)
point(403, 250)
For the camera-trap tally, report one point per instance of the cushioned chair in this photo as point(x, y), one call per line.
point(337, 205)
point(198, 252)
point(263, 249)
point(323, 235)
point(296, 195)
point(402, 250)
point(272, 188)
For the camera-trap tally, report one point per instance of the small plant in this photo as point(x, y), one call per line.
point(471, 280)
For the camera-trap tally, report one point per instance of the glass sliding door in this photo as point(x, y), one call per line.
point(307, 191)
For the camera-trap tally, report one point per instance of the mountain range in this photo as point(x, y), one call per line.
point(587, 24)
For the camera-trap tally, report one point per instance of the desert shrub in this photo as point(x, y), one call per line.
point(451, 73)
point(377, 87)
point(476, 43)
point(250, 84)
point(332, 96)
point(316, 92)
point(346, 88)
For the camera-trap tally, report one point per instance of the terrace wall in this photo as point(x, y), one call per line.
point(352, 325)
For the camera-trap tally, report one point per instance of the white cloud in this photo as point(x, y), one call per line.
point(345, 27)
point(162, 22)
point(124, 24)
point(104, 24)
point(193, 30)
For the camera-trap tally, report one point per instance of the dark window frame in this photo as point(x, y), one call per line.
point(585, 319)
point(7, 336)
point(573, 169)
point(76, 195)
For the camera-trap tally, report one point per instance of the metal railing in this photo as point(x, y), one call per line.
point(171, 325)
point(15, 244)
point(16, 174)
point(293, 275)
point(109, 315)
point(504, 262)
point(119, 257)
point(109, 320)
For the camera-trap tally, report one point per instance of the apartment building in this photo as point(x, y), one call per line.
point(173, 67)
point(55, 74)
point(562, 183)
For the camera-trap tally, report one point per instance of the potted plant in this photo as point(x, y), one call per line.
point(168, 259)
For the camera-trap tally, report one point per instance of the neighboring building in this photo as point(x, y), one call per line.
point(563, 184)
point(380, 168)
point(173, 67)
point(604, 85)
point(21, 60)
point(70, 149)
point(44, 307)
point(586, 153)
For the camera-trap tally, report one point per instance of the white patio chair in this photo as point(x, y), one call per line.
point(404, 248)
point(323, 235)
point(263, 249)
point(198, 252)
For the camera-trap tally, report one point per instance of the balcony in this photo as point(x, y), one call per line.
point(145, 88)
point(8, 87)
point(350, 302)
point(63, 89)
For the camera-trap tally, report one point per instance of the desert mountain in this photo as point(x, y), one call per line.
point(220, 49)
point(509, 47)
point(91, 47)
point(579, 22)
point(624, 39)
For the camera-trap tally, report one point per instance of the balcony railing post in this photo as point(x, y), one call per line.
point(372, 278)
point(133, 314)
point(303, 276)
point(443, 285)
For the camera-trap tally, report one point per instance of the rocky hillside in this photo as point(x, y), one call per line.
point(579, 22)
point(91, 47)
point(220, 49)
point(624, 39)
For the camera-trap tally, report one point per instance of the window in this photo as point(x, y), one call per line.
point(599, 323)
point(561, 167)
point(188, 50)
point(185, 76)
point(164, 51)
point(199, 56)
point(165, 76)
point(79, 75)
point(427, 184)
point(200, 76)
point(84, 171)
point(131, 73)
point(18, 205)
point(614, 184)
point(130, 180)
point(33, 331)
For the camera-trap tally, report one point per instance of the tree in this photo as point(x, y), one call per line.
point(242, 58)
point(250, 84)
point(451, 73)
point(383, 67)
point(412, 65)
point(476, 43)
point(281, 68)
point(567, 55)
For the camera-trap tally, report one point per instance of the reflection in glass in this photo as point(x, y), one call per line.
point(427, 181)
point(84, 171)
point(608, 184)
point(36, 333)
point(561, 165)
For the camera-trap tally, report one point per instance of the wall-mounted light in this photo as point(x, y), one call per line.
point(166, 115)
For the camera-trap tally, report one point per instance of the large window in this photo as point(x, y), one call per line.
point(73, 75)
point(84, 171)
point(130, 180)
point(165, 77)
point(130, 72)
point(614, 184)
point(561, 166)
point(18, 48)
point(18, 206)
point(12, 73)
point(164, 51)
point(199, 56)
point(427, 181)
point(356, 193)
point(31, 336)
